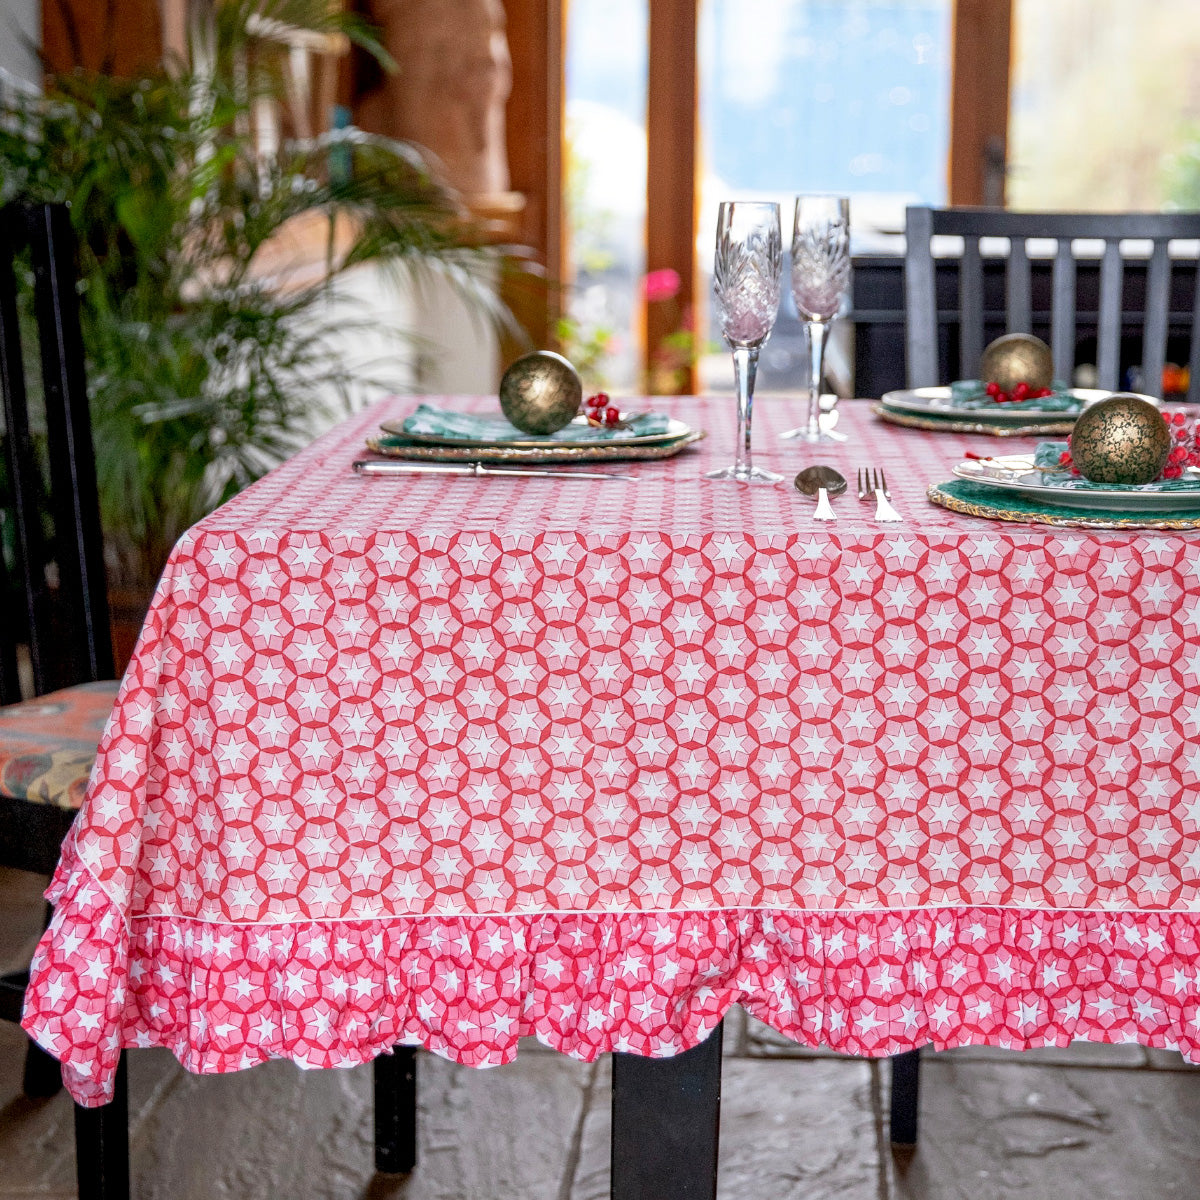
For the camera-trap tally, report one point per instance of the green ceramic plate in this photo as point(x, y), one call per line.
point(392, 446)
point(977, 500)
point(939, 402)
point(1015, 475)
point(560, 441)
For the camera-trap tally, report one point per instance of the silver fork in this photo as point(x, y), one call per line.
point(873, 482)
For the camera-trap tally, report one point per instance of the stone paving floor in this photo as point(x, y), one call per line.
point(1087, 1123)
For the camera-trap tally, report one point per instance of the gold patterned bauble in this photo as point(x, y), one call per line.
point(1123, 439)
point(540, 392)
point(1017, 358)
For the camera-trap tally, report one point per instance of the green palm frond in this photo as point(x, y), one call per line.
point(201, 376)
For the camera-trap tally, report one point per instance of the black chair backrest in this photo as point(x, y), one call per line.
point(57, 602)
point(971, 224)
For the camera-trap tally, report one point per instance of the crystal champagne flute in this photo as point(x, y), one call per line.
point(820, 286)
point(746, 282)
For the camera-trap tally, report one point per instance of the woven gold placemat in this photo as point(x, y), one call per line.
point(957, 425)
point(975, 500)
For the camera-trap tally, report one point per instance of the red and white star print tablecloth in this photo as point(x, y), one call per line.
point(448, 761)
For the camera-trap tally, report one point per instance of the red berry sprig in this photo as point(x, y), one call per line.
point(1186, 450)
point(1022, 391)
point(599, 411)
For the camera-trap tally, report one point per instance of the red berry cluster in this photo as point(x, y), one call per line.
point(1184, 453)
point(599, 412)
point(1186, 450)
point(1021, 392)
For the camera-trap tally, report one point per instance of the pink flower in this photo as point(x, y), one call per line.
point(661, 285)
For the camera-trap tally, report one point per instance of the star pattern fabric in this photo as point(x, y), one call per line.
point(451, 760)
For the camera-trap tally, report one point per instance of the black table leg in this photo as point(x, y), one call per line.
point(665, 1118)
point(43, 1075)
point(396, 1111)
point(906, 1095)
point(102, 1145)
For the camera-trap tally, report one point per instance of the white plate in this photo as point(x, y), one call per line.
point(1016, 473)
point(674, 429)
point(938, 402)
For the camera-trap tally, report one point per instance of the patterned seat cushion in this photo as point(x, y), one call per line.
point(47, 745)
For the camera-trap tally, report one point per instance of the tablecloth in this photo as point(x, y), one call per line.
point(448, 761)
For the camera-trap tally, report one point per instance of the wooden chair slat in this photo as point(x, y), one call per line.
point(10, 680)
point(12, 385)
point(962, 222)
point(970, 308)
point(1154, 332)
point(1062, 315)
point(21, 463)
point(1193, 394)
point(920, 297)
point(86, 650)
point(1108, 353)
point(1018, 300)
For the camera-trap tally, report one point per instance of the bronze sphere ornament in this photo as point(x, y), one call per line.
point(1017, 358)
point(1123, 439)
point(540, 392)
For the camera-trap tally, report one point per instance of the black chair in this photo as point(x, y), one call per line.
point(54, 607)
point(53, 602)
point(1120, 308)
point(929, 360)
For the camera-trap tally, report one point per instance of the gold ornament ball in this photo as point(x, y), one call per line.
point(540, 392)
point(1017, 358)
point(1123, 439)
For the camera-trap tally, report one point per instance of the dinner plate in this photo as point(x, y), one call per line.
point(675, 429)
point(1015, 473)
point(939, 402)
point(965, 425)
point(522, 453)
point(994, 505)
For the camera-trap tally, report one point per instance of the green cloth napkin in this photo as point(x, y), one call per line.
point(970, 395)
point(1046, 458)
point(443, 422)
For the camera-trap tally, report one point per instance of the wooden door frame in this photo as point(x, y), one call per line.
point(535, 127)
point(979, 102)
point(672, 158)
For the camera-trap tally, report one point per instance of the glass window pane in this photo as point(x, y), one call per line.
point(844, 96)
point(606, 188)
point(1105, 108)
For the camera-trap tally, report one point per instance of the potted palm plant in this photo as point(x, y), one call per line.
point(204, 372)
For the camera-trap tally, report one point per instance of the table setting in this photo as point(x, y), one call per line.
point(411, 752)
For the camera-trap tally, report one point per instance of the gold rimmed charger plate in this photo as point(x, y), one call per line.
point(939, 402)
point(974, 500)
point(675, 429)
point(958, 425)
point(391, 446)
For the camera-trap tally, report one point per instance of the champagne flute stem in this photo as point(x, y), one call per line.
point(745, 367)
point(818, 331)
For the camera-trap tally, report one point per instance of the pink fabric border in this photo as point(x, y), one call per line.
point(326, 994)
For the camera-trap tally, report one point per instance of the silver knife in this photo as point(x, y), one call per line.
point(373, 466)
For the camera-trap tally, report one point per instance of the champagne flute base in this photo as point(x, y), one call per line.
point(743, 474)
point(803, 435)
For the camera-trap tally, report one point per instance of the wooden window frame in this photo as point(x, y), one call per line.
point(535, 141)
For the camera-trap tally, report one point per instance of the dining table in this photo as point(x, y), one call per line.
point(449, 761)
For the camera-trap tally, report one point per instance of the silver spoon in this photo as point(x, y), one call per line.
point(821, 482)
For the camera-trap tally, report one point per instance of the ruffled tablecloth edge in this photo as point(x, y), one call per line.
point(328, 994)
